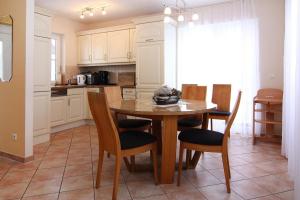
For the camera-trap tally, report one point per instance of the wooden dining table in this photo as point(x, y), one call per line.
point(164, 125)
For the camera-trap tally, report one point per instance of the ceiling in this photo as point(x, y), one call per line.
point(116, 9)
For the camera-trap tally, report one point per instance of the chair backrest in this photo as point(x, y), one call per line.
point(194, 92)
point(221, 96)
point(113, 93)
point(270, 93)
point(107, 132)
point(232, 117)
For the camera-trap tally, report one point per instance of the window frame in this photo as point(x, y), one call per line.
point(58, 56)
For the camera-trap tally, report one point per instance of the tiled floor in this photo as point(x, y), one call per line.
point(65, 169)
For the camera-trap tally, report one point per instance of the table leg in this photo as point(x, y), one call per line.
point(156, 129)
point(197, 154)
point(169, 140)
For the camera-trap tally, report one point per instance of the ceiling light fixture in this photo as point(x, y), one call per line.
point(180, 18)
point(82, 16)
point(168, 11)
point(89, 11)
point(195, 17)
point(103, 11)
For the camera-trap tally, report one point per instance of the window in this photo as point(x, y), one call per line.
point(1, 60)
point(56, 57)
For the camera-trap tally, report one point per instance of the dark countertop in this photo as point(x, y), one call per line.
point(57, 87)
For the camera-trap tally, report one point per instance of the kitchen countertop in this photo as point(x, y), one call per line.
point(57, 87)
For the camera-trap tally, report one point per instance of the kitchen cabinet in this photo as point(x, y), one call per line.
point(129, 93)
point(59, 110)
point(41, 113)
point(155, 55)
point(41, 71)
point(132, 45)
point(118, 46)
point(42, 25)
point(88, 114)
point(75, 104)
point(84, 45)
point(99, 48)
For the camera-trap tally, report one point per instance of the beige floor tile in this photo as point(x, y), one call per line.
point(78, 170)
point(219, 173)
point(77, 182)
point(186, 195)
point(86, 194)
point(275, 183)
point(13, 191)
point(53, 162)
point(156, 197)
point(248, 189)
point(43, 187)
point(275, 166)
point(142, 189)
point(200, 179)
point(33, 165)
point(79, 160)
point(218, 192)
point(105, 193)
point(185, 185)
point(13, 177)
point(271, 197)
point(250, 171)
point(47, 174)
point(211, 163)
point(43, 197)
point(289, 195)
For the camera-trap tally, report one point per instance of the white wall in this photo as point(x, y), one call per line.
point(271, 26)
point(68, 29)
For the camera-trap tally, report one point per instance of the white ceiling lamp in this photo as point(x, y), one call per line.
point(82, 15)
point(195, 17)
point(168, 11)
point(180, 18)
point(103, 11)
point(91, 13)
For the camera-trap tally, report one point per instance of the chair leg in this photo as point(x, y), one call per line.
point(108, 155)
point(154, 160)
point(99, 170)
point(116, 178)
point(132, 163)
point(226, 171)
point(211, 124)
point(127, 163)
point(228, 166)
point(188, 158)
point(180, 164)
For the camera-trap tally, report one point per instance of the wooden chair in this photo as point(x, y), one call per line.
point(221, 96)
point(208, 141)
point(121, 145)
point(192, 92)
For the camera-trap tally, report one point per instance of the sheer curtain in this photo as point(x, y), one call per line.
point(291, 104)
point(223, 48)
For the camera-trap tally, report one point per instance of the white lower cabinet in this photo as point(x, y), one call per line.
point(75, 108)
point(41, 113)
point(145, 93)
point(88, 113)
point(59, 110)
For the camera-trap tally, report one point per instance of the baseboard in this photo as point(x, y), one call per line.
point(41, 138)
point(16, 158)
point(69, 126)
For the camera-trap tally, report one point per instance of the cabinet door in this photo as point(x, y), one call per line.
point(149, 65)
point(75, 108)
point(42, 25)
point(118, 46)
point(84, 45)
point(88, 114)
point(41, 113)
point(58, 111)
point(99, 48)
point(150, 32)
point(132, 54)
point(41, 72)
point(145, 94)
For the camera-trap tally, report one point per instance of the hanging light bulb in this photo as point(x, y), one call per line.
point(180, 18)
point(103, 11)
point(91, 13)
point(167, 19)
point(168, 11)
point(82, 16)
point(195, 17)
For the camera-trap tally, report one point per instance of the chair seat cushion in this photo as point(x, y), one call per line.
point(133, 139)
point(133, 123)
point(201, 136)
point(220, 113)
point(189, 122)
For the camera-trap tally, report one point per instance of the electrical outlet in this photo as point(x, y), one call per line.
point(14, 136)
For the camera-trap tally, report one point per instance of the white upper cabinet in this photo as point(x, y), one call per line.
point(118, 46)
point(150, 32)
point(84, 45)
point(149, 62)
point(42, 25)
point(132, 45)
point(41, 72)
point(99, 48)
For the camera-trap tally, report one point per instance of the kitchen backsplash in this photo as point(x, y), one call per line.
point(114, 68)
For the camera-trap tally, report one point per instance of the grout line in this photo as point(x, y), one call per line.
point(94, 184)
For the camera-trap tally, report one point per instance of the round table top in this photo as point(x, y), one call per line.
point(148, 107)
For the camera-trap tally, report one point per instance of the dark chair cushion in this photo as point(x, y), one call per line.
point(133, 123)
point(220, 113)
point(133, 139)
point(189, 122)
point(201, 136)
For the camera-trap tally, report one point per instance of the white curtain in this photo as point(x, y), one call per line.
point(223, 48)
point(291, 100)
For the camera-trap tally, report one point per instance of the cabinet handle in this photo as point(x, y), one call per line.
point(149, 40)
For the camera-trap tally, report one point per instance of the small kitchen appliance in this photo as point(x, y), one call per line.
point(81, 79)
